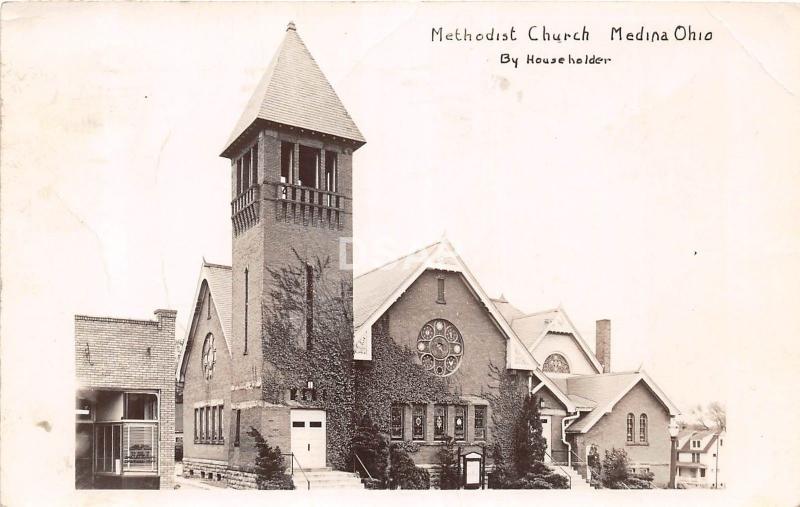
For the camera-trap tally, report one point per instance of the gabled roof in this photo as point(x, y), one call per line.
point(506, 309)
point(375, 287)
point(706, 438)
point(606, 390)
point(295, 92)
point(533, 328)
point(377, 290)
point(215, 278)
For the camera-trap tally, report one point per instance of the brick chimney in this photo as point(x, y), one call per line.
point(166, 320)
point(602, 347)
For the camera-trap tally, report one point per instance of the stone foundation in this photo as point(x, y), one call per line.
point(214, 470)
point(241, 479)
point(209, 469)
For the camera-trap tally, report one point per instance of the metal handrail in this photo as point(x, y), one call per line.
point(362, 465)
point(552, 461)
point(294, 458)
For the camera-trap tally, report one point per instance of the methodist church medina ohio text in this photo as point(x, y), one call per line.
point(541, 33)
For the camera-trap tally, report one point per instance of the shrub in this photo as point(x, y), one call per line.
point(447, 456)
point(616, 473)
point(403, 473)
point(270, 469)
point(373, 449)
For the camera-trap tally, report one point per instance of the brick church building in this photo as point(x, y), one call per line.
point(424, 315)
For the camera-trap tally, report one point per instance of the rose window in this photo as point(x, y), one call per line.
point(440, 347)
point(555, 363)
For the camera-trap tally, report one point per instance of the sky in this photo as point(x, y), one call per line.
point(659, 191)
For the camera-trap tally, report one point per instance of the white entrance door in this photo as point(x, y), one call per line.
point(547, 433)
point(308, 437)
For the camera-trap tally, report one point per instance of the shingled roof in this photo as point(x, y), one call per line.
point(605, 390)
point(376, 290)
point(217, 279)
point(295, 92)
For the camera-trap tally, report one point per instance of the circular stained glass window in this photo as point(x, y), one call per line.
point(440, 347)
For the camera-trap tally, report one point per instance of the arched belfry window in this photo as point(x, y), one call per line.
point(643, 429)
point(209, 356)
point(555, 363)
point(629, 428)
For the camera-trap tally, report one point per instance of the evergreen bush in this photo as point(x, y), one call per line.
point(403, 473)
point(447, 456)
point(373, 449)
point(270, 468)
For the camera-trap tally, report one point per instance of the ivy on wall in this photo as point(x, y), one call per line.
point(506, 401)
point(345, 389)
point(392, 377)
point(289, 364)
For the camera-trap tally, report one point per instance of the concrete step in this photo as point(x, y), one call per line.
point(326, 479)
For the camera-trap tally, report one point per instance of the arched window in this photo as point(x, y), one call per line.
point(209, 356)
point(629, 428)
point(555, 363)
point(643, 429)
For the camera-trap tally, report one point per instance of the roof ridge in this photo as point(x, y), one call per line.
point(212, 265)
point(556, 309)
point(397, 259)
point(611, 374)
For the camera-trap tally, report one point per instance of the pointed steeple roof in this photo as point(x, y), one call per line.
point(295, 92)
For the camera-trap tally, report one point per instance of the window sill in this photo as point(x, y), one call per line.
point(637, 444)
point(209, 442)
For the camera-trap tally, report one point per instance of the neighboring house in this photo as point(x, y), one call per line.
point(125, 402)
point(291, 166)
point(700, 459)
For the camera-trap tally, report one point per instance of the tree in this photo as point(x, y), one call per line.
point(447, 455)
point(529, 444)
point(718, 416)
point(270, 469)
point(528, 447)
point(712, 417)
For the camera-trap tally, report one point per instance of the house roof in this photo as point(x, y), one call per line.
point(215, 278)
point(706, 437)
point(377, 290)
point(606, 390)
point(295, 92)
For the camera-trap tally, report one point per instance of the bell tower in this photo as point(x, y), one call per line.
point(291, 172)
